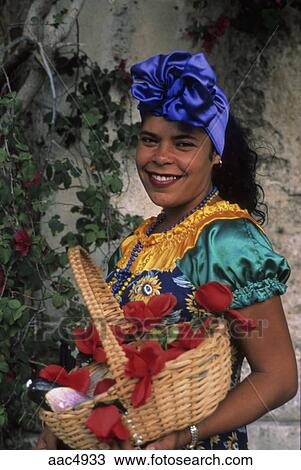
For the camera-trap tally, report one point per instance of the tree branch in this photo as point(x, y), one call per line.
point(16, 58)
point(51, 37)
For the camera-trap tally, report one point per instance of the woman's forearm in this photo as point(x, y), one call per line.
point(255, 396)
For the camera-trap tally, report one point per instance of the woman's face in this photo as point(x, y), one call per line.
point(173, 163)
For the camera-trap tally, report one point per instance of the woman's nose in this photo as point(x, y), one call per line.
point(163, 154)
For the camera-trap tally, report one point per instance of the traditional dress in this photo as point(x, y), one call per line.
point(220, 242)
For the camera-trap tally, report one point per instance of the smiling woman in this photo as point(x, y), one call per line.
point(195, 163)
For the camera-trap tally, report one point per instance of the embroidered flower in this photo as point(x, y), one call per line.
point(232, 442)
point(145, 288)
point(193, 307)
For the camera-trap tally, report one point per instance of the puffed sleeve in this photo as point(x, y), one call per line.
point(237, 253)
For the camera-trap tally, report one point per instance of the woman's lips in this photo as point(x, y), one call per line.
point(162, 180)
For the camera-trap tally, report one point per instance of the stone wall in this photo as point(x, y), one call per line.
point(262, 76)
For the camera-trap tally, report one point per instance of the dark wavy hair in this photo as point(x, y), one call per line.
point(236, 177)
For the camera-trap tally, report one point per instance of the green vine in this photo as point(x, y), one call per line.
point(94, 139)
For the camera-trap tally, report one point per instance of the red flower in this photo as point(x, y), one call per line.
point(2, 281)
point(88, 342)
point(122, 65)
point(189, 338)
point(105, 422)
point(78, 379)
point(143, 364)
point(22, 241)
point(221, 25)
point(145, 316)
point(214, 297)
point(34, 181)
point(103, 386)
point(214, 30)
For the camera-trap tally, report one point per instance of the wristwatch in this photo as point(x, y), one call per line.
point(194, 437)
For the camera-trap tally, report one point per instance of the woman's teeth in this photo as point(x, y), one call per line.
point(164, 178)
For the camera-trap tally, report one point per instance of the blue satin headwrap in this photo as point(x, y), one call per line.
point(182, 87)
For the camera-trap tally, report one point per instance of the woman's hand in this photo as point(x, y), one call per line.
point(47, 440)
point(173, 441)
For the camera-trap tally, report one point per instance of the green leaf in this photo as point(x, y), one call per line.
point(18, 313)
point(58, 300)
point(3, 155)
point(89, 237)
point(69, 239)
point(14, 304)
point(116, 185)
point(4, 367)
point(55, 225)
point(5, 254)
point(172, 334)
point(63, 260)
point(22, 147)
point(28, 171)
point(91, 118)
point(35, 20)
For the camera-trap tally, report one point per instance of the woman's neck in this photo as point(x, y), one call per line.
point(172, 216)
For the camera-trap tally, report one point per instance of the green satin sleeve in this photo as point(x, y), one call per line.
point(237, 253)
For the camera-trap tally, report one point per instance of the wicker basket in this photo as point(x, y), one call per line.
point(187, 390)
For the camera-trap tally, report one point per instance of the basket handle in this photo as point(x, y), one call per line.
point(103, 308)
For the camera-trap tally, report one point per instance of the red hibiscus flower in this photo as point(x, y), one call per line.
point(146, 316)
point(214, 297)
point(105, 422)
point(145, 363)
point(22, 241)
point(78, 379)
point(88, 342)
point(37, 177)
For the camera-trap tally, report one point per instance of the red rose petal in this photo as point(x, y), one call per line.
point(142, 391)
point(214, 297)
point(103, 386)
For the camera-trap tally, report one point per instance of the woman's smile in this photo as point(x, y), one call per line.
point(162, 180)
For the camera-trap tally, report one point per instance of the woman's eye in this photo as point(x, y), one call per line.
point(185, 144)
point(147, 141)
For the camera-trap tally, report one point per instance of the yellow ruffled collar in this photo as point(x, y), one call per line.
point(187, 225)
point(161, 250)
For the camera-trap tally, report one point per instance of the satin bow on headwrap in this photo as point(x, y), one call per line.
point(182, 87)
